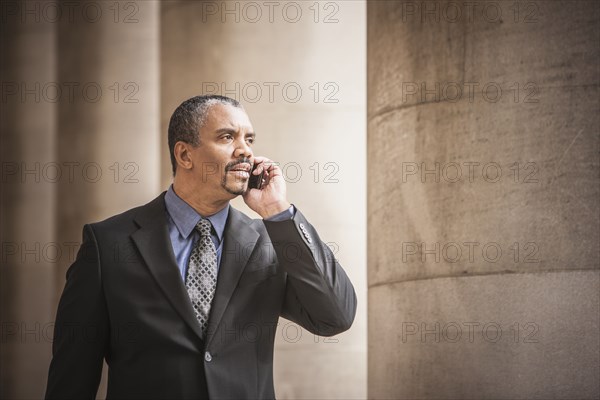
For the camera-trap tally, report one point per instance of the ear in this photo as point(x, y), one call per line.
point(182, 155)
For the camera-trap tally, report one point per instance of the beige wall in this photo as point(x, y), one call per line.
point(525, 300)
point(204, 51)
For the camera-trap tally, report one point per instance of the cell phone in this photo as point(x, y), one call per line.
point(256, 181)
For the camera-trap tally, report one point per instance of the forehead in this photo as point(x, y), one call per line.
point(227, 116)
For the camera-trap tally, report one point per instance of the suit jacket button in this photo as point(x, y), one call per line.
point(301, 226)
point(207, 357)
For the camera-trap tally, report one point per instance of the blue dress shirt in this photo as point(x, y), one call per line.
point(182, 219)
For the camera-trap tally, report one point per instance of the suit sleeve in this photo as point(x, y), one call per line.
point(319, 295)
point(81, 328)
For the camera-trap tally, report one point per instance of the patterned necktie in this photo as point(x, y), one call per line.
point(201, 277)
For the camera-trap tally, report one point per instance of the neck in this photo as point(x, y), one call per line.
point(198, 199)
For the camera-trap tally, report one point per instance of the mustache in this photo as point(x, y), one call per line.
point(232, 164)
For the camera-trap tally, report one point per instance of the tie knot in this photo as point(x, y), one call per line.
point(203, 227)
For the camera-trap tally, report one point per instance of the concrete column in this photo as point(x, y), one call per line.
point(109, 128)
point(80, 143)
point(483, 200)
point(29, 251)
point(299, 70)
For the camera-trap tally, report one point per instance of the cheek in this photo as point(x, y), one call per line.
point(214, 158)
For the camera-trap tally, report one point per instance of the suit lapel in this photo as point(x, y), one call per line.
point(154, 244)
point(239, 240)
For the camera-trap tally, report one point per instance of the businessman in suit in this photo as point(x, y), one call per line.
point(182, 296)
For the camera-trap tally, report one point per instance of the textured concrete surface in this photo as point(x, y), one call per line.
point(517, 336)
point(541, 216)
point(483, 169)
point(549, 43)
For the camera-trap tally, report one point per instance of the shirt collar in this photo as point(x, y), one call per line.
point(186, 218)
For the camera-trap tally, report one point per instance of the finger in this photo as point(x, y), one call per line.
point(275, 170)
point(267, 166)
point(260, 159)
point(266, 179)
point(259, 163)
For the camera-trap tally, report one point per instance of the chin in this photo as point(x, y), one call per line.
point(237, 190)
point(237, 187)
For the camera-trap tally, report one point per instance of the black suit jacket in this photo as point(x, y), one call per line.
point(125, 301)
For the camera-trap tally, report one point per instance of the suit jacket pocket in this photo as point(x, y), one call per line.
point(255, 276)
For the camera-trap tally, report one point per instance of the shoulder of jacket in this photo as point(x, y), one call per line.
point(125, 217)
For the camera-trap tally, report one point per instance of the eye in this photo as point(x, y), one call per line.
point(250, 140)
point(227, 136)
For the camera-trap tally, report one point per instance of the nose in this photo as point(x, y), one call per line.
point(242, 150)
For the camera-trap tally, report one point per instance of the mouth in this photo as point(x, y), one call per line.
point(241, 170)
point(240, 173)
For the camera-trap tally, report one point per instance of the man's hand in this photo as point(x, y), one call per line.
point(271, 199)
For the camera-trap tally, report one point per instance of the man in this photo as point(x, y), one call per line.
point(182, 296)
